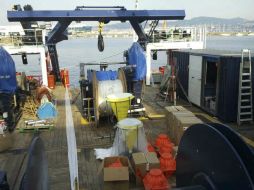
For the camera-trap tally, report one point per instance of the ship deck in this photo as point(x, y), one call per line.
point(88, 137)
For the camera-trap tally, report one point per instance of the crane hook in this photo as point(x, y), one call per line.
point(100, 38)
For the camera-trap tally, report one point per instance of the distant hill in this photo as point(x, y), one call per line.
point(115, 26)
point(118, 26)
point(211, 20)
point(193, 21)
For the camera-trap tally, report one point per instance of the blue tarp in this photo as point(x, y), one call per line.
point(102, 75)
point(8, 83)
point(47, 111)
point(136, 58)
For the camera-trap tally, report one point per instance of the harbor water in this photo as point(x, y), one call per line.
point(74, 51)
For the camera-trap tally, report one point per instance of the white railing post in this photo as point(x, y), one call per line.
point(43, 66)
point(148, 65)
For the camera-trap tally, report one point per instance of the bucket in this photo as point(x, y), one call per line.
point(161, 140)
point(150, 148)
point(116, 164)
point(167, 164)
point(162, 70)
point(120, 104)
point(62, 74)
point(155, 180)
point(66, 79)
point(166, 148)
point(51, 81)
point(130, 128)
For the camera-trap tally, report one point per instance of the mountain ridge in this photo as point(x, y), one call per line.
point(202, 20)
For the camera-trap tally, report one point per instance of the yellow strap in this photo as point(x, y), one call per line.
point(101, 24)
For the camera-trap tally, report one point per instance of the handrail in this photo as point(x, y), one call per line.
point(179, 34)
point(26, 37)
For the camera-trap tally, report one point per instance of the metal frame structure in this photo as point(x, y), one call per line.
point(197, 41)
point(100, 14)
point(163, 47)
point(40, 50)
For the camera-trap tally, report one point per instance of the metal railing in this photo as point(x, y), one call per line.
point(36, 77)
point(26, 37)
point(179, 34)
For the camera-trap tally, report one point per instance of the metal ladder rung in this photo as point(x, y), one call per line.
point(245, 94)
point(245, 107)
point(246, 103)
point(246, 113)
point(247, 119)
point(245, 87)
point(245, 100)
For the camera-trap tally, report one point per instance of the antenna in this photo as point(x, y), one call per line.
point(136, 4)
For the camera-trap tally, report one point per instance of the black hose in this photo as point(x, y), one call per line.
point(100, 43)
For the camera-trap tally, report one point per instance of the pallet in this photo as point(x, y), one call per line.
point(28, 129)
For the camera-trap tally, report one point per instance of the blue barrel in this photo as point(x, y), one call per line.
point(106, 75)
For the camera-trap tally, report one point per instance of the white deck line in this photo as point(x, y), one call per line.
point(71, 142)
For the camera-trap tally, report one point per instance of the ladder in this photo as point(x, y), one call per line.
point(245, 110)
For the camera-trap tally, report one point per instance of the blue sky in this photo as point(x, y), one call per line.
point(193, 8)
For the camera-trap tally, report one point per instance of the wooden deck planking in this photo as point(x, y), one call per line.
point(14, 161)
point(86, 142)
point(55, 142)
point(86, 137)
point(57, 152)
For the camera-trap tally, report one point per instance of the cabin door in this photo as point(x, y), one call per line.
point(195, 73)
